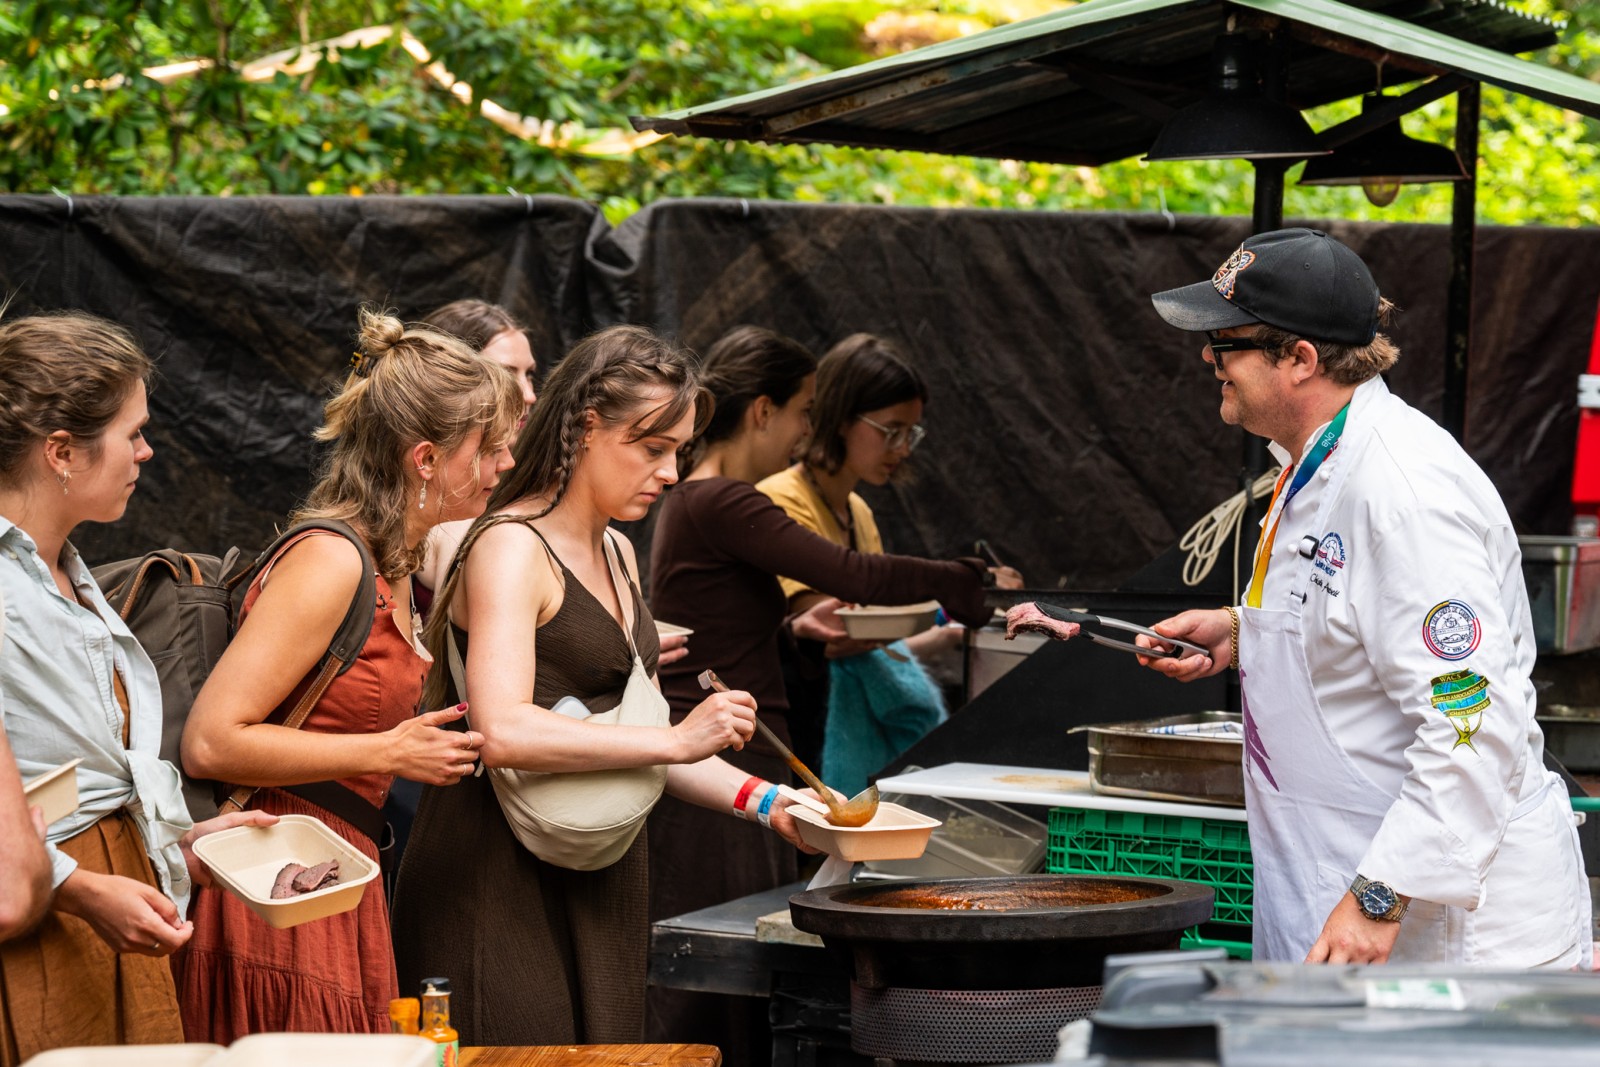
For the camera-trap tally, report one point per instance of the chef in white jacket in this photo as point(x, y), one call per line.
point(1398, 803)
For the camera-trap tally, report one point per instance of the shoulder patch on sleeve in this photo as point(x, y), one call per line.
point(1463, 696)
point(1451, 630)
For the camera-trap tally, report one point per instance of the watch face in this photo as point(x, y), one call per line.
point(1376, 898)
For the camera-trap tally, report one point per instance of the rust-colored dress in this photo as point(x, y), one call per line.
point(238, 975)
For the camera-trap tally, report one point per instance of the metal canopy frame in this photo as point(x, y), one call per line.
point(1091, 84)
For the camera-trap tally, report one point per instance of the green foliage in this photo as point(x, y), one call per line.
point(82, 115)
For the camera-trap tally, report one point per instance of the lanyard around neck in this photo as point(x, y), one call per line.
point(1302, 475)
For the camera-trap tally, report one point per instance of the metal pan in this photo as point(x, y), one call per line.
point(1145, 759)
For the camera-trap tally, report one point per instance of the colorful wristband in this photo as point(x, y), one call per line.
point(743, 796)
point(940, 618)
point(764, 812)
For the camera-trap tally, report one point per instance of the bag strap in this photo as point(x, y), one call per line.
point(458, 669)
point(348, 640)
point(351, 636)
point(622, 583)
point(185, 570)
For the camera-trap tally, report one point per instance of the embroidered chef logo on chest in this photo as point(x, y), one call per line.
point(1452, 630)
point(1330, 557)
point(1463, 696)
point(1227, 274)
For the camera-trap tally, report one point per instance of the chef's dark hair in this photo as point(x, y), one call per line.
point(749, 362)
point(862, 373)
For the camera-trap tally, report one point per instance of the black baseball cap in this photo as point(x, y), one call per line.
point(1298, 280)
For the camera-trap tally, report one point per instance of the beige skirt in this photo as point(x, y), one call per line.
point(61, 985)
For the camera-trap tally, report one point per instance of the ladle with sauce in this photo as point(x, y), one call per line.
point(858, 811)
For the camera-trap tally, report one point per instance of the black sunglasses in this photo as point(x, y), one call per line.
point(1221, 345)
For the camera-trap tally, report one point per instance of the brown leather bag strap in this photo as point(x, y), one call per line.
point(348, 640)
point(296, 718)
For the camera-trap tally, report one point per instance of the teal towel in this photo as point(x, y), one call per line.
point(877, 708)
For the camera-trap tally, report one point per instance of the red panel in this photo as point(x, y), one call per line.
point(1586, 468)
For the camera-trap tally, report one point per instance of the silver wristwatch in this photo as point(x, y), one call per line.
point(1378, 901)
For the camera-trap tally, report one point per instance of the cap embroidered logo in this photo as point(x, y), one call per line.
point(1227, 274)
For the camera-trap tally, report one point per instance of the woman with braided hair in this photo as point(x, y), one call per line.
point(543, 610)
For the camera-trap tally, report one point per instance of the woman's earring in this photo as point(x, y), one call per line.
point(422, 497)
point(63, 477)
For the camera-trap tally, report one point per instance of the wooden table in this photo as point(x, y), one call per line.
point(592, 1056)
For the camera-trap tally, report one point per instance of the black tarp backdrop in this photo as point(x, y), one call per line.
point(250, 307)
point(1068, 424)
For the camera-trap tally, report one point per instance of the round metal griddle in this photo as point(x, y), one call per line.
point(1008, 932)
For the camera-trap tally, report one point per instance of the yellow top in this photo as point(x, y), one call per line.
point(792, 491)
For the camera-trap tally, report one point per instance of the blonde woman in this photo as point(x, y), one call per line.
point(420, 434)
point(75, 684)
point(539, 953)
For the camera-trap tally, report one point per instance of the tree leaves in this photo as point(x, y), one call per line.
point(80, 113)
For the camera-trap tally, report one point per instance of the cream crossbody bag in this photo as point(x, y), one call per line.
point(584, 820)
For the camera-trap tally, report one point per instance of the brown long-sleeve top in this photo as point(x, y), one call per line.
point(718, 547)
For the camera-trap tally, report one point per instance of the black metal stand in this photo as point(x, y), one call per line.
point(1458, 303)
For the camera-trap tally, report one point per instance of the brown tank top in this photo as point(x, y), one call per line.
point(582, 652)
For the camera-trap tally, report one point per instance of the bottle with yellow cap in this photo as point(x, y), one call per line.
point(436, 1022)
point(403, 1014)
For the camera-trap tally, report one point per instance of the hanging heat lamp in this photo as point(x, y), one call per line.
point(1235, 121)
point(1384, 160)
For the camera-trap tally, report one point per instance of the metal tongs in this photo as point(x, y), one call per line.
point(1086, 620)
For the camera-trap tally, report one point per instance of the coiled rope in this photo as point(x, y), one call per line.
point(1205, 538)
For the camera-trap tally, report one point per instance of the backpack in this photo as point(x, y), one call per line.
point(184, 609)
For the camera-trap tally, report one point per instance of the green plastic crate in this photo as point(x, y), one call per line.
point(1234, 940)
point(1213, 852)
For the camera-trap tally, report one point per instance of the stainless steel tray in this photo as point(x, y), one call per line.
point(1127, 759)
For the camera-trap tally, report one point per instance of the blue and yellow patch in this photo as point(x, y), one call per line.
point(1463, 696)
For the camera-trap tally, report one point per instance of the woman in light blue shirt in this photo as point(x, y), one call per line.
point(76, 685)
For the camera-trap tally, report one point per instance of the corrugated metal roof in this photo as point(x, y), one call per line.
point(1091, 84)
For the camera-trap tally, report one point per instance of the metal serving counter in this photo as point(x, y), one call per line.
point(748, 947)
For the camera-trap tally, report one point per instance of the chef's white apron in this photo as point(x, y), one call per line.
point(1313, 813)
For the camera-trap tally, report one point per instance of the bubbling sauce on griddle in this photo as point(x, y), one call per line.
point(1006, 898)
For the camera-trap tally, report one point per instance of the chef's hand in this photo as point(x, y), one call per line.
point(1007, 578)
point(673, 648)
point(199, 873)
point(1212, 629)
point(783, 824)
point(1350, 937)
point(819, 622)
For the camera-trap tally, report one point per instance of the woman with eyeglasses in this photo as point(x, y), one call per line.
point(866, 422)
